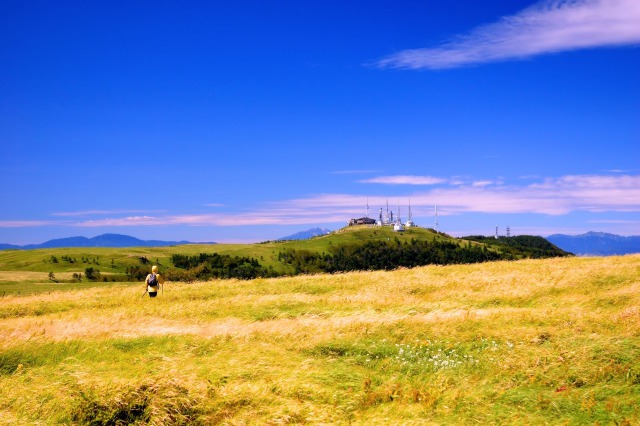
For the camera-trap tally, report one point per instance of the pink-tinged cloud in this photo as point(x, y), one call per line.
point(103, 212)
point(26, 223)
point(481, 183)
point(547, 27)
point(551, 196)
point(353, 172)
point(404, 180)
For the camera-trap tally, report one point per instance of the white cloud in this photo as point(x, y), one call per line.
point(404, 180)
point(102, 212)
point(547, 27)
point(615, 221)
point(481, 183)
point(353, 172)
point(550, 196)
point(26, 223)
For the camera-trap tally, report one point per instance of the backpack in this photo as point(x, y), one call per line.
point(152, 281)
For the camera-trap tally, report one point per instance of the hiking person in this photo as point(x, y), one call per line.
point(153, 281)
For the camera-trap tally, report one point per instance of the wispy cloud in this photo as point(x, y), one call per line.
point(615, 221)
point(26, 223)
point(552, 196)
point(481, 183)
point(622, 170)
point(404, 180)
point(84, 213)
point(353, 172)
point(547, 27)
point(549, 196)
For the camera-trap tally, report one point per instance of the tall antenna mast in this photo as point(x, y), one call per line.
point(409, 223)
point(367, 207)
point(436, 208)
point(386, 219)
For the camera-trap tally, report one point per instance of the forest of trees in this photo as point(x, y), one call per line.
point(372, 255)
point(386, 255)
point(520, 246)
point(207, 266)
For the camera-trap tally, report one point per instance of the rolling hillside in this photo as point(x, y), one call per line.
point(59, 268)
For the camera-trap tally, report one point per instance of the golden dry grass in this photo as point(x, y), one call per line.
point(553, 339)
point(16, 276)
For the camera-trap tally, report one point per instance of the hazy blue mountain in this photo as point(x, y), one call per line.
point(309, 233)
point(596, 243)
point(104, 240)
point(8, 247)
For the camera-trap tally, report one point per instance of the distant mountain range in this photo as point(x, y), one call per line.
point(309, 233)
point(596, 244)
point(591, 243)
point(105, 240)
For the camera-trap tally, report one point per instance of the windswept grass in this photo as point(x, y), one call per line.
point(552, 341)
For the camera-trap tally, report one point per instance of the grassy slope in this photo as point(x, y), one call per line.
point(529, 342)
point(117, 260)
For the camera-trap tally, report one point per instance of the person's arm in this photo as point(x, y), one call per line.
point(146, 281)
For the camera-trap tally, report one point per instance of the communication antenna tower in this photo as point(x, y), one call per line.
point(367, 207)
point(386, 218)
point(496, 232)
point(508, 232)
point(436, 209)
point(409, 223)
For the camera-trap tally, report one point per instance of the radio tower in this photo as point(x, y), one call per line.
point(508, 232)
point(386, 218)
point(436, 209)
point(409, 222)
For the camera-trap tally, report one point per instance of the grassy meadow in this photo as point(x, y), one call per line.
point(27, 271)
point(536, 342)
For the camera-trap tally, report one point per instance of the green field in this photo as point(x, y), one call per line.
point(15, 264)
point(537, 342)
point(347, 249)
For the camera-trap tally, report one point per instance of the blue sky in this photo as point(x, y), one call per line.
point(248, 121)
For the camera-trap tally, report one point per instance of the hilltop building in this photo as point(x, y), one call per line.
point(385, 218)
point(362, 221)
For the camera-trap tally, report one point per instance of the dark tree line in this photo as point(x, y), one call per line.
point(207, 266)
point(386, 255)
point(372, 255)
point(520, 246)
